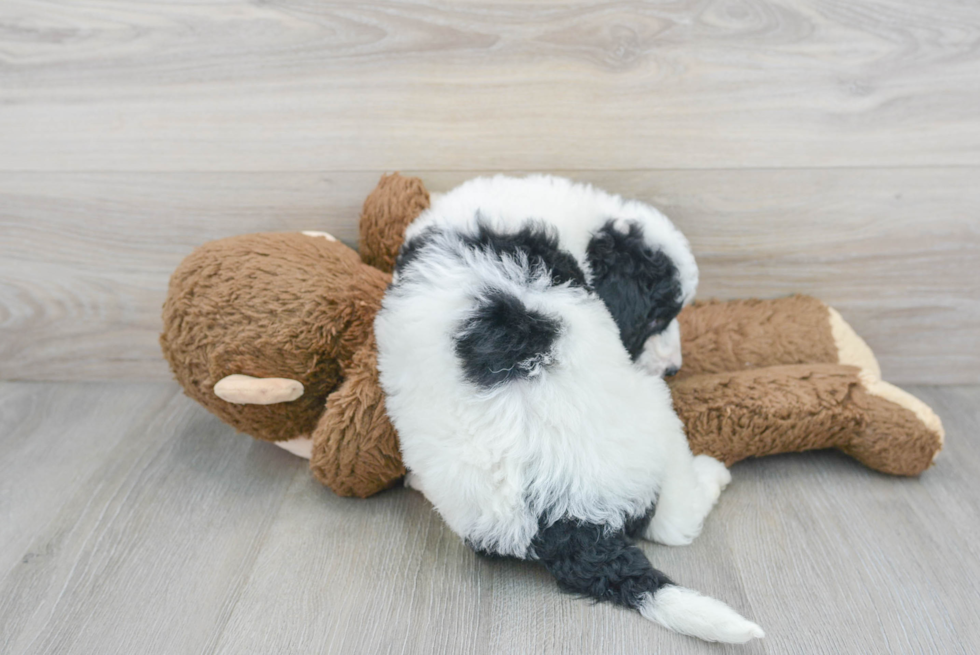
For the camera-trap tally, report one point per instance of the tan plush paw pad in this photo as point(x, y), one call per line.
point(247, 390)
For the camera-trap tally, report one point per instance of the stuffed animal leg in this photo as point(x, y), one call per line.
point(735, 335)
point(779, 409)
point(355, 446)
point(770, 376)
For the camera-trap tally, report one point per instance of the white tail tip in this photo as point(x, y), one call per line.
point(689, 613)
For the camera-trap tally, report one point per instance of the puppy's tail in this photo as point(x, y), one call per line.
point(588, 559)
point(688, 612)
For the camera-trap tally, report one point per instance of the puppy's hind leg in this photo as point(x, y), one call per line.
point(691, 487)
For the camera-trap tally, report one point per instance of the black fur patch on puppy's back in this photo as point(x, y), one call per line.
point(504, 340)
point(639, 285)
point(535, 241)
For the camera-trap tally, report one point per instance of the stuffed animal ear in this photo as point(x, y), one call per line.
point(355, 446)
point(388, 210)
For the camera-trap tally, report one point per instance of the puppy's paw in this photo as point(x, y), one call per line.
point(673, 532)
point(712, 475)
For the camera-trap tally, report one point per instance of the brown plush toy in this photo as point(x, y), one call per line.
point(274, 334)
point(762, 377)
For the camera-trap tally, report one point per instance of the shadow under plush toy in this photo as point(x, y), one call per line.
point(274, 334)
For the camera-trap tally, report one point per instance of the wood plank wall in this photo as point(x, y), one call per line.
point(823, 146)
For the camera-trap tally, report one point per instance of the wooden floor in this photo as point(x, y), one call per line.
point(131, 521)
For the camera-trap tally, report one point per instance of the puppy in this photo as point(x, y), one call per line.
point(515, 346)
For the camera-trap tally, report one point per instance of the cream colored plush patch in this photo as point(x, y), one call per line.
point(851, 349)
point(301, 446)
point(246, 390)
point(325, 235)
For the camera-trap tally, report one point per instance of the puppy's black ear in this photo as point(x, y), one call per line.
point(638, 285)
point(504, 340)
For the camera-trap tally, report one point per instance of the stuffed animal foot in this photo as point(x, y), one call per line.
point(890, 410)
point(851, 349)
point(779, 409)
point(902, 435)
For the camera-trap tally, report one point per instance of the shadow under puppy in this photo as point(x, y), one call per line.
point(520, 346)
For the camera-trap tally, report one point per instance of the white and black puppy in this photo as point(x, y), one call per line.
point(523, 418)
point(633, 256)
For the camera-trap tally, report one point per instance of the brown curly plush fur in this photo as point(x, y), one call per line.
point(288, 305)
point(268, 305)
point(355, 447)
point(780, 409)
point(393, 204)
point(762, 377)
point(759, 376)
point(718, 337)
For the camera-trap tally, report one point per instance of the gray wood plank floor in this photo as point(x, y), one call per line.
point(131, 521)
